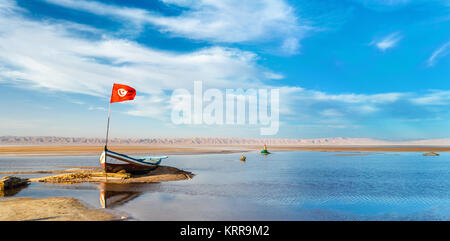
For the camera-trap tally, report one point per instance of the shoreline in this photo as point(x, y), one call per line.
point(67, 150)
point(73, 209)
point(365, 148)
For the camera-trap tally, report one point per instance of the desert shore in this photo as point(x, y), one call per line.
point(96, 150)
point(70, 209)
point(363, 148)
point(50, 209)
point(176, 150)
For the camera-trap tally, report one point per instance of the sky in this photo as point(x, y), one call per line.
point(350, 68)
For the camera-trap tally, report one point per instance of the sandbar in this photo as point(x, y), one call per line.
point(50, 209)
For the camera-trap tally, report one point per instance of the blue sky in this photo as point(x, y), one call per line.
point(355, 68)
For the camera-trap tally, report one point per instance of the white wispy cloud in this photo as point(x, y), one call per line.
point(385, 5)
point(59, 58)
point(387, 42)
point(383, 2)
point(308, 105)
point(331, 113)
point(131, 14)
point(439, 53)
point(301, 94)
point(217, 21)
point(291, 45)
point(96, 108)
point(435, 97)
point(321, 107)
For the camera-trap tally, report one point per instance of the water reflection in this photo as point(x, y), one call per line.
point(114, 195)
point(13, 191)
point(281, 186)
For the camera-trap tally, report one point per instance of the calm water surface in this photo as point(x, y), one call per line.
point(281, 186)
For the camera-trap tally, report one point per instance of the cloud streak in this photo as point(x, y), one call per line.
point(214, 20)
point(60, 59)
point(439, 53)
point(387, 42)
point(320, 107)
point(435, 98)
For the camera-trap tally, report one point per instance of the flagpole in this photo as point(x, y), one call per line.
point(107, 126)
point(119, 93)
point(106, 141)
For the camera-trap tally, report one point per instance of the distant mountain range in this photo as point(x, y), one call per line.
point(337, 141)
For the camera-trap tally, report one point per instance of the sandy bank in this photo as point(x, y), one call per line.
point(50, 209)
point(96, 174)
point(160, 174)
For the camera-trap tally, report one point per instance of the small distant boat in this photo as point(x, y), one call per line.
point(431, 154)
point(117, 162)
point(265, 151)
point(243, 158)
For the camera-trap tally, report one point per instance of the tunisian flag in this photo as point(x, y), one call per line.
point(122, 93)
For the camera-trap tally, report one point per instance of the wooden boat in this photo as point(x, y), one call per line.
point(431, 154)
point(115, 162)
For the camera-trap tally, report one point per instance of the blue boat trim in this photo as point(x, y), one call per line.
point(141, 161)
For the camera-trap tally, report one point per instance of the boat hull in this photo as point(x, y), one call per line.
point(116, 162)
point(130, 168)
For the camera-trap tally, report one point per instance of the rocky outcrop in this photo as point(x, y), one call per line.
point(10, 182)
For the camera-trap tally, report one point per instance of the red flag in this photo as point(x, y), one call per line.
point(122, 93)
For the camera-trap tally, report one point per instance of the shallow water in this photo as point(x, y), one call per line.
point(280, 186)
